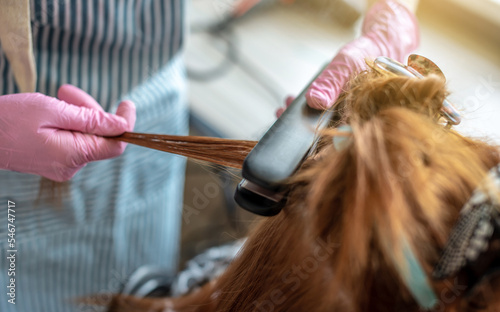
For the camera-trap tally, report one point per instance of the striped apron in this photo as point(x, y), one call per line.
point(120, 213)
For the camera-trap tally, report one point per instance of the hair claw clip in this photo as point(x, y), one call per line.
point(419, 67)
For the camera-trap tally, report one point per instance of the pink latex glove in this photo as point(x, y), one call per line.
point(281, 110)
point(389, 29)
point(55, 138)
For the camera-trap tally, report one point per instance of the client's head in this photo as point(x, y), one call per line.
point(361, 215)
point(389, 196)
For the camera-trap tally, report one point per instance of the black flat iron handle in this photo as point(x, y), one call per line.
point(282, 149)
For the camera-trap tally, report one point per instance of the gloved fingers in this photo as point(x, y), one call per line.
point(75, 150)
point(126, 109)
point(323, 93)
point(99, 148)
point(76, 96)
point(80, 135)
point(61, 172)
point(349, 61)
point(87, 120)
point(90, 147)
point(281, 110)
point(325, 90)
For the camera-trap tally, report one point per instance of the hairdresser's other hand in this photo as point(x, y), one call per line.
point(55, 138)
point(389, 29)
point(281, 110)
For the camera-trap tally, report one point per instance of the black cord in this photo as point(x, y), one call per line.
point(218, 30)
point(232, 56)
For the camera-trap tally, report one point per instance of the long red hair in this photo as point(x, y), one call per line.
point(401, 178)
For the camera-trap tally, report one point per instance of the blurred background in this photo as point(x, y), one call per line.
point(241, 72)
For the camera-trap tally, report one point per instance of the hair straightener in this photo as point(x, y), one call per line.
point(278, 155)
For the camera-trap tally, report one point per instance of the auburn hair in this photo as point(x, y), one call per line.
point(401, 178)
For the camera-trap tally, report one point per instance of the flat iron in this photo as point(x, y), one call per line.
point(278, 155)
point(285, 145)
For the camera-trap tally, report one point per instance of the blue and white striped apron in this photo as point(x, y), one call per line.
point(121, 213)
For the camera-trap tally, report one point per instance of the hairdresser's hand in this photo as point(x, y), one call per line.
point(281, 110)
point(55, 138)
point(389, 29)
